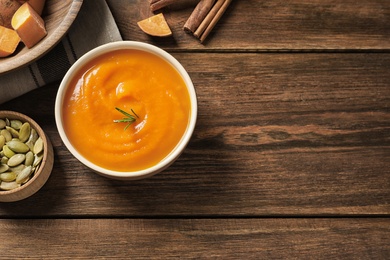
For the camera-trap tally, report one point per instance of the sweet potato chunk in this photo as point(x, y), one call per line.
point(29, 25)
point(9, 40)
point(155, 25)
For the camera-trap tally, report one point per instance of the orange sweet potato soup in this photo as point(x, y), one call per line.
point(130, 80)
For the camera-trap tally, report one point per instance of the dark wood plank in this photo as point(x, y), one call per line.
point(270, 25)
point(277, 134)
point(196, 239)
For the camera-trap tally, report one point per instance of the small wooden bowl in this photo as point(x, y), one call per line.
point(58, 17)
point(44, 171)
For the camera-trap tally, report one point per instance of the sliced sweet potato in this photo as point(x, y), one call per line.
point(7, 10)
point(9, 40)
point(155, 25)
point(29, 25)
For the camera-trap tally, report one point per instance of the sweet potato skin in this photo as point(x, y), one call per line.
point(7, 10)
point(37, 5)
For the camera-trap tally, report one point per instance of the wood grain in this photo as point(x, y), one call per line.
point(289, 159)
point(277, 134)
point(196, 239)
point(271, 25)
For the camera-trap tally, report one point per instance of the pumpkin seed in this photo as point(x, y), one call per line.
point(29, 158)
point(32, 139)
point(7, 135)
point(33, 136)
point(3, 168)
point(24, 174)
point(18, 146)
point(8, 152)
point(2, 140)
point(17, 169)
point(37, 160)
point(12, 131)
point(8, 176)
point(27, 179)
point(16, 159)
point(30, 145)
point(38, 146)
point(2, 124)
point(15, 124)
point(5, 185)
point(4, 159)
point(24, 132)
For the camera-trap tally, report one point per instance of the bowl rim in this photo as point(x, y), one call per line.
point(136, 45)
point(46, 141)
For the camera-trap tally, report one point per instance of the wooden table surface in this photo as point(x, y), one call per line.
point(289, 158)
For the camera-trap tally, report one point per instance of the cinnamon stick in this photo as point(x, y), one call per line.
point(215, 20)
point(158, 4)
point(209, 17)
point(200, 12)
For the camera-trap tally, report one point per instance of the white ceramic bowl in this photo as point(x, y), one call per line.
point(173, 155)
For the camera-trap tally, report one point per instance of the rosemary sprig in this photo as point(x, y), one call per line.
point(129, 119)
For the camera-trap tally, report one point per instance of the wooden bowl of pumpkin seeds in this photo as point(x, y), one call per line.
point(26, 156)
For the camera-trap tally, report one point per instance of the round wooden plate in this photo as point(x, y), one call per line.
point(58, 16)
